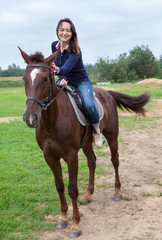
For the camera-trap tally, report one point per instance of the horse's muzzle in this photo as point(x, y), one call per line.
point(31, 120)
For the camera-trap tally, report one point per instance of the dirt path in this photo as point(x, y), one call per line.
point(9, 119)
point(139, 214)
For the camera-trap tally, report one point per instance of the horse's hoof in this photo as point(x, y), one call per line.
point(117, 198)
point(74, 234)
point(61, 224)
point(85, 201)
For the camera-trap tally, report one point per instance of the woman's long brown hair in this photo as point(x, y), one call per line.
point(73, 45)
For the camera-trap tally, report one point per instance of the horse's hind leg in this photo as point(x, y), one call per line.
point(91, 159)
point(55, 166)
point(113, 144)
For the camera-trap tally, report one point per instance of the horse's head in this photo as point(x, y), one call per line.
point(38, 83)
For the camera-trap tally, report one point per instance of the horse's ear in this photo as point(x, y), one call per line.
point(51, 58)
point(25, 56)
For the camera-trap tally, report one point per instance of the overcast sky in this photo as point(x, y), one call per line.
point(105, 27)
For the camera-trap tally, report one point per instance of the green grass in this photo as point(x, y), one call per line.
point(159, 183)
point(136, 185)
point(12, 102)
point(134, 90)
point(10, 83)
point(127, 198)
point(133, 122)
point(25, 183)
point(146, 194)
point(138, 208)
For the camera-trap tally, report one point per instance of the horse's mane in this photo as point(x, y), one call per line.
point(37, 57)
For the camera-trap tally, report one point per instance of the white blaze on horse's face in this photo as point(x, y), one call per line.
point(33, 74)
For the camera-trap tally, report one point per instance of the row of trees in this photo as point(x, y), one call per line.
point(140, 63)
point(11, 71)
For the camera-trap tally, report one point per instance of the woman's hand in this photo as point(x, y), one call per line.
point(63, 82)
point(56, 69)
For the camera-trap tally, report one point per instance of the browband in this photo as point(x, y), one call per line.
point(38, 65)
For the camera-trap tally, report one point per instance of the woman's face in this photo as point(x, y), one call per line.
point(64, 32)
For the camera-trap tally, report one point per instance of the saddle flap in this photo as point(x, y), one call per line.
point(79, 106)
point(78, 99)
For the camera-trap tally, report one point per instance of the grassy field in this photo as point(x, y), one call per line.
point(27, 190)
point(11, 82)
point(135, 89)
point(12, 102)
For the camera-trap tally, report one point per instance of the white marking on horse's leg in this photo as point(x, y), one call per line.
point(33, 74)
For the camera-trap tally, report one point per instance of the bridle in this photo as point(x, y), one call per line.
point(45, 102)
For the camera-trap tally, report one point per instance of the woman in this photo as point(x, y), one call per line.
point(70, 65)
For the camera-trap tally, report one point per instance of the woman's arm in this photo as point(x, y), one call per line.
point(69, 64)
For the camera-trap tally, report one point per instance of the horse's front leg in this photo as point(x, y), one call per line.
point(91, 159)
point(73, 193)
point(55, 166)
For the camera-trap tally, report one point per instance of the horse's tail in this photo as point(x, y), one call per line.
point(131, 103)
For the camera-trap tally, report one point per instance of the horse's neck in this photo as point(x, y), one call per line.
point(50, 115)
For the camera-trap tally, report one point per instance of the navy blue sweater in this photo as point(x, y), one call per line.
point(70, 65)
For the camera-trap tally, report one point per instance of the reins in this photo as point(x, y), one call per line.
point(44, 103)
point(62, 88)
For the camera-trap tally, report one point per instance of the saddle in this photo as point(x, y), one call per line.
point(78, 99)
point(79, 105)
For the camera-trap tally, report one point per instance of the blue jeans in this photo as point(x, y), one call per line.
point(86, 90)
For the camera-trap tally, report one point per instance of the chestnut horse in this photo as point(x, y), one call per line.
point(59, 133)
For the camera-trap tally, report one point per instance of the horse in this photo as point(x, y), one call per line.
point(59, 133)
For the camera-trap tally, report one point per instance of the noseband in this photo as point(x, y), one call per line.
point(44, 103)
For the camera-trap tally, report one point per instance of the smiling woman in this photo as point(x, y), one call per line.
point(69, 67)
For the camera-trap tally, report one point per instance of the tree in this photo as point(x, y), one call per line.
point(103, 68)
point(142, 61)
point(159, 66)
point(90, 68)
point(11, 71)
point(160, 60)
point(120, 68)
point(115, 70)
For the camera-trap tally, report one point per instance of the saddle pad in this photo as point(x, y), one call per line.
point(82, 119)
